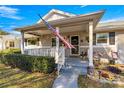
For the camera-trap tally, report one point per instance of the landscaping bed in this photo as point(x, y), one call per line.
point(16, 78)
point(105, 75)
point(86, 82)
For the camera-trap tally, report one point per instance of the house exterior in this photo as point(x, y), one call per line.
point(9, 41)
point(114, 32)
point(84, 32)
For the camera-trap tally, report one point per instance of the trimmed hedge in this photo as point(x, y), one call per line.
point(29, 63)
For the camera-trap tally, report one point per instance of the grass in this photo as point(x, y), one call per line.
point(15, 78)
point(85, 82)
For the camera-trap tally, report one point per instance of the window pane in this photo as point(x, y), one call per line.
point(74, 40)
point(101, 35)
point(112, 38)
point(102, 38)
point(11, 44)
point(32, 41)
point(75, 51)
point(53, 41)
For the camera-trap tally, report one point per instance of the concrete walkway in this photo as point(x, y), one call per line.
point(68, 76)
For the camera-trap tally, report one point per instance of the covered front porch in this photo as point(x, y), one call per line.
point(77, 30)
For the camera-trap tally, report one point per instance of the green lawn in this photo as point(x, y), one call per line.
point(10, 78)
point(85, 82)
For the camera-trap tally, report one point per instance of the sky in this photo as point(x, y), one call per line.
point(14, 16)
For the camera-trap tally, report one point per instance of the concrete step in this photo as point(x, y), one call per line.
point(76, 65)
point(74, 69)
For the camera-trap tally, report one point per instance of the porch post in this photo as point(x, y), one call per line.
point(91, 44)
point(57, 50)
point(57, 45)
point(22, 42)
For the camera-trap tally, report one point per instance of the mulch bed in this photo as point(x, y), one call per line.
point(103, 75)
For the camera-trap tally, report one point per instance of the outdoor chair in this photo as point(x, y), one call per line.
point(97, 55)
point(114, 56)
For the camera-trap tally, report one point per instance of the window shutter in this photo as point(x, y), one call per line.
point(112, 38)
point(94, 39)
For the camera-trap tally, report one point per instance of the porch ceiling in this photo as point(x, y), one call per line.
point(82, 27)
point(75, 23)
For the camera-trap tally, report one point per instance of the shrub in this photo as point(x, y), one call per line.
point(97, 64)
point(11, 51)
point(29, 63)
point(114, 69)
point(112, 62)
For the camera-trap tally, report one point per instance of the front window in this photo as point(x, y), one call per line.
point(11, 44)
point(54, 42)
point(102, 39)
point(32, 41)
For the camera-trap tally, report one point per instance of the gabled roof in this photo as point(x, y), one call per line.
point(95, 17)
point(59, 13)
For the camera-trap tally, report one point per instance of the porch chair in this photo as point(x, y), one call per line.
point(114, 56)
point(97, 56)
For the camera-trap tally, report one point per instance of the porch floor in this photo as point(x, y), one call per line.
point(69, 74)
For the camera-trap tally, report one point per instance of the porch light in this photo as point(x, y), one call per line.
point(68, 36)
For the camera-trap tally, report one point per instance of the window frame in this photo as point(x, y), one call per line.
point(32, 44)
point(107, 43)
point(60, 42)
point(52, 42)
point(111, 36)
point(11, 44)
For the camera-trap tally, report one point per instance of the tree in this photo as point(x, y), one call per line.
point(3, 32)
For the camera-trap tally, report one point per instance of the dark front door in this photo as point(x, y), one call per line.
point(75, 43)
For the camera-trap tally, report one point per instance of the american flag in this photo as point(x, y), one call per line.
point(67, 44)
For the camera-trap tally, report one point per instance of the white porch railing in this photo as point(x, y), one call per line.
point(41, 52)
point(60, 59)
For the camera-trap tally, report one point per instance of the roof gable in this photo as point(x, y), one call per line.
point(55, 14)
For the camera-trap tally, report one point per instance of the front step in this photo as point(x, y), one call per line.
point(76, 62)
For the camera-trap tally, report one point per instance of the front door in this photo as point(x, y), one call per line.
point(75, 43)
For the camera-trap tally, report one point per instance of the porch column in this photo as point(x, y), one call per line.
point(22, 42)
point(57, 51)
point(57, 45)
point(90, 44)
